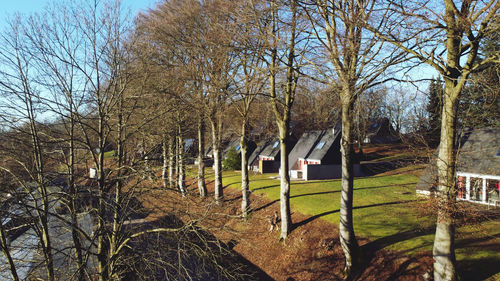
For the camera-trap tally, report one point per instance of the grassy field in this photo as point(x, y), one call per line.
point(385, 212)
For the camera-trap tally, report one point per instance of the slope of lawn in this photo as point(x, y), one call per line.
point(385, 211)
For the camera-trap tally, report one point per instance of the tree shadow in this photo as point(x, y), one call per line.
point(312, 218)
point(478, 269)
point(383, 186)
point(314, 193)
point(387, 203)
point(383, 242)
point(293, 196)
point(265, 205)
point(265, 187)
point(187, 254)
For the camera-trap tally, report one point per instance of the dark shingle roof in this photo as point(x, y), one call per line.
point(476, 156)
point(234, 143)
point(320, 149)
point(313, 145)
point(303, 146)
point(255, 154)
point(272, 148)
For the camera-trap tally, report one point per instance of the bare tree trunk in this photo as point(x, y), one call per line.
point(181, 178)
point(286, 217)
point(102, 253)
point(164, 152)
point(43, 213)
point(217, 161)
point(202, 187)
point(177, 155)
point(348, 240)
point(73, 195)
point(117, 204)
point(245, 190)
point(444, 244)
point(171, 162)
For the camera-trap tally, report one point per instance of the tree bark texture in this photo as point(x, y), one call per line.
point(347, 237)
point(171, 162)
point(286, 217)
point(164, 170)
point(216, 127)
point(181, 177)
point(245, 189)
point(202, 187)
point(444, 240)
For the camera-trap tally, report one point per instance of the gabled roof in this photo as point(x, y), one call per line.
point(314, 145)
point(303, 146)
point(320, 149)
point(478, 155)
point(255, 154)
point(233, 143)
point(272, 148)
point(381, 131)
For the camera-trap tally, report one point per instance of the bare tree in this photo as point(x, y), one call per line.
point(445, 35)
point(18, 84)
point(283, 36)
point(249, 83)
point(359, 62)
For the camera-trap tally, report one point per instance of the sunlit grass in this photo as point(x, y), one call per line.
point(386, 210)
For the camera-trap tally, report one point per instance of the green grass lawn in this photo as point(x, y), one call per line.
point(109, 154)
point(385, 211)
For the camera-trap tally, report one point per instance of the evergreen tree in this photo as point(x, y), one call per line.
point(434, 104)
point(232, 160)
point(480, 106)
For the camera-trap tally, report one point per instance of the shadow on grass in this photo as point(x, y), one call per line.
point(312, 218)
point(265, 205)
point(478, 269)
point(378, 244)
point(382, 186)
point(293, 196)
point(356, 188)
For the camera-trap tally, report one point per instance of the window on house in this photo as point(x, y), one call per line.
point(476, 189)
point(320, 145)
point(498, 153)
point(492, 189)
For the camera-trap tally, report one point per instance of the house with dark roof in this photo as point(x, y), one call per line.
point(233, 143)
point(317, 156)
point(477, 168)
point(380, 131)
point(253, 159)
point(269, 157)
point(236, 145)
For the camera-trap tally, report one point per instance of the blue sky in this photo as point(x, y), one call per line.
point(9, 7)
